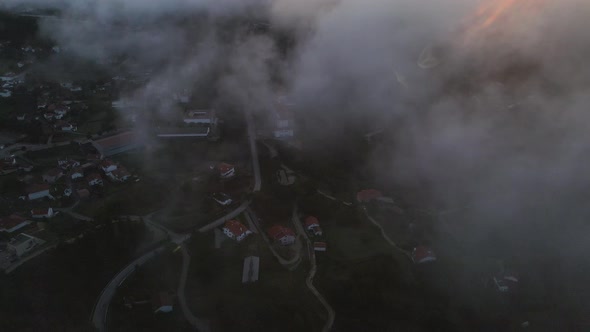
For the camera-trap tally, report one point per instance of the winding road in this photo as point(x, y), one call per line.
point(309, 281)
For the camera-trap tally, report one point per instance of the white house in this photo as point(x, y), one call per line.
point(312, 225)
point(163, 302)
point(236, 230)
point(64, 126)
point(120, 174)
point(225, 170)
point(281, 234)
point(108, 166)
point(222, 199)
point(94, 180)
point(76, 174)
point(42, 213)
point(37, 191)
point(422, 254)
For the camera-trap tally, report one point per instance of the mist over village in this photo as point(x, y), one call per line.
point(282, 165)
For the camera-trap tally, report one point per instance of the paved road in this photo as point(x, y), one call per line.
point(200, 324)
point(101, 307)
point(385, 236)
point(309, 281)
point(254, 152)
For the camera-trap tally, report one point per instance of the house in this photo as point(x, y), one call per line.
point(108, 166)
point(368, 195)
point(23, 243)
point(61, 111)
point(65, 126)
point(320, 246)
point(21, 117)
point(285, 178)
point(225, 170)
point(422, 254)
point(94, 179)
point(236, 230)
point(120, 174)
point(251, 269)
point(66, 164)
point(83, 193)
point(163, 302)
point(76, 173)
point(13, 223)
point(49, 116)
point(119, 143)
point(205, 117)
point(281, 234)
point(36, 191)
point(52, 175)
point(505, 281)
point(42, 213)
point(93, 157)
point(312, 225)
point(222, 199)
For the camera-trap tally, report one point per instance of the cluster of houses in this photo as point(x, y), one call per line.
point(11, 164)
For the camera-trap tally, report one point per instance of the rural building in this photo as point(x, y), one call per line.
point(312, 225)
point(251, 269)
point(236, 230)
point(422, 254)
point(172, 132)
point(320, 246)
point(94, 179)
point(52, 175)
point(120, 174)
point(77, 173)
point(66, 164)
point(163, 302)
point(204, 117)
point(281, 234)
point(36, 191)
point(65, 126)
point(42, 213)
point(83, 193)
point(108, 166)
point(368, 195)
point(118, 143)
point(225, 170)
point(23, 243)
point(13, 223)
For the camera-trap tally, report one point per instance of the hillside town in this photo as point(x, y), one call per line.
point(207, 171)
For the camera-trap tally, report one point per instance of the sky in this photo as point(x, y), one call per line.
point(499, 125)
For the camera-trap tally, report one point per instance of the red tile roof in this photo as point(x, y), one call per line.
point(54, 172)
point(278, 232)
point(83, 193)
point(235, 227)
point(311, 220)
point(118, 140)
point(93, 176)
point(224, 167)
point(367, 195)
point(11, 221)
point(423, 254)
point(35, 188)
point(39, 212)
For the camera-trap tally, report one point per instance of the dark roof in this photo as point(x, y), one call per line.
point(115, 141)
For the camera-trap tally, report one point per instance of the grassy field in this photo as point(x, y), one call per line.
point(160, 274)
point(57, 290)
point(279, 301)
